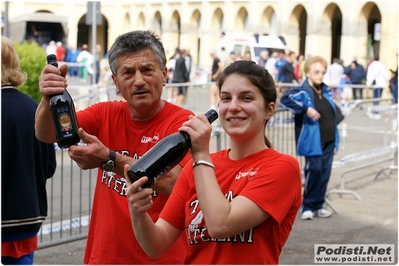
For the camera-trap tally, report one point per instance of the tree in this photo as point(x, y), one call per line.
point(33, 59)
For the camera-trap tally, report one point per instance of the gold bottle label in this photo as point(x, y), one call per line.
point(65, 122)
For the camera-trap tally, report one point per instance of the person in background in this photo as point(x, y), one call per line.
point(232, 57)
point(171, 64)
point(264, 56)
point(118, 133)
point(333, 77)
point(393, 82)
point(247, 56)
point(85, 60)
point(302, 67)
point(32, 35)
point(280, 62)
point(189, 62)
point(71, 57)
point(189, 65)
point(286, 73)
point(60, 52)
point(223, 56)
point(297, 67)
point(357, 75)
point(271, 64)
point(97, 60)
point(229, 59)
point(316, 134)
point(217, 67)
point(26, 164)
point(377, 75)
point(239, 56)
point(51, 48)
point(217, 192)
point(180, 75)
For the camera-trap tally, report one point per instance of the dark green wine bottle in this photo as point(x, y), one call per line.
point(165, 155)
point(63, 114)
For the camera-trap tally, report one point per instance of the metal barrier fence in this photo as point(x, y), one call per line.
point(368, 137)
point(70, 191)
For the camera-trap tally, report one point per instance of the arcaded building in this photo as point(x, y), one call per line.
point(342, 29)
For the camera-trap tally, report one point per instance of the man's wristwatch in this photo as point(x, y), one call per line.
point(109, 164)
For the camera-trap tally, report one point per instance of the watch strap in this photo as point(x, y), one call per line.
point(109, 164)
point(112, 155)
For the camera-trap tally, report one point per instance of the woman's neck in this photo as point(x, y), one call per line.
point(241, 149)
point(311, 83)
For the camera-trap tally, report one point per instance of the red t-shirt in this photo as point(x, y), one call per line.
point(270, 179)
point(19, 248)
point(60, 53)
point(111, 239)
point(297, 71)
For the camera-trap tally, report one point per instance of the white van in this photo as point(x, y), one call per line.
point(242, 43)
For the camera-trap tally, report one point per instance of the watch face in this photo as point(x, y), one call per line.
point(108, 166)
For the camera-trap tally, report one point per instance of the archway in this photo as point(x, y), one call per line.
point(217, 24)
point(298, 25)
point(42, 27)
point(336, 33)
point(175, 29)
point(194, 39)
point(141, 22)
point(85, 33)
point(157, 23)
point(373, 30)
point(241, 21)
point(303, 22)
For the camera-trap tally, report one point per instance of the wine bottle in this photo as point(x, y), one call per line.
point(63, 114)
point(165, 155)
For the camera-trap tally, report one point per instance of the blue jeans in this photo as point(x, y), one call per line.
point(24, 260)
point(377, 94)
point(317, 174)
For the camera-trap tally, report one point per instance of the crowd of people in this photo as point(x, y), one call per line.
point(290, 69)
point(82, 63)
point(179, 71)
point(338, 76)
point(282, 68)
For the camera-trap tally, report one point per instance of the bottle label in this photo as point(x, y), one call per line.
point(65, 121)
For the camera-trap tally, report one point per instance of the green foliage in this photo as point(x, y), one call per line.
point(33, 59)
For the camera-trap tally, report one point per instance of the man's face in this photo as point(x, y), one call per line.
point(140, 79)
point(292, 57)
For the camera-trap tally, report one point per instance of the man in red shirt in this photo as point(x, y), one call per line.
point(118, 133)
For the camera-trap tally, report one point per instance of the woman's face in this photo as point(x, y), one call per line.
point(316, 73)
point(242, 109)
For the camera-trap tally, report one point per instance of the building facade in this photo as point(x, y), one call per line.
point(342, 29)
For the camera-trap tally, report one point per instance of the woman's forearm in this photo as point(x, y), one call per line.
point(44, 128)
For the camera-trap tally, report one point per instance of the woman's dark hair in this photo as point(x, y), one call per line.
point(258, 76)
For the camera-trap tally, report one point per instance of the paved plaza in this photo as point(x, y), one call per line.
point(371, 220)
